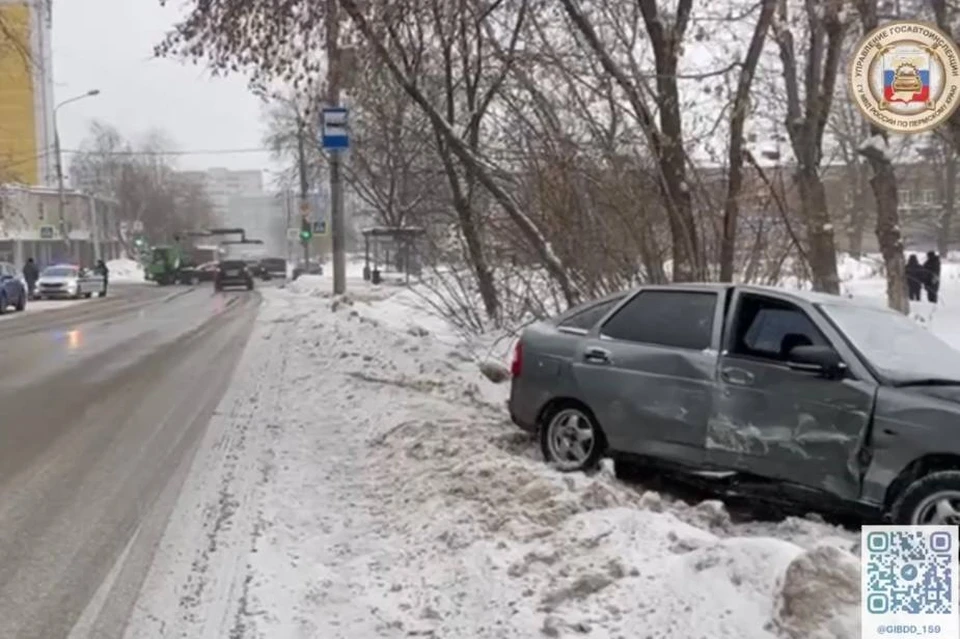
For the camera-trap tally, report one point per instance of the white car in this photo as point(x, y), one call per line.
point(68, 280)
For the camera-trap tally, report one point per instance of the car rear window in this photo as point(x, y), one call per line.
point(233, 264)
point(675, 319)
point(587, 317)
point(274, 263)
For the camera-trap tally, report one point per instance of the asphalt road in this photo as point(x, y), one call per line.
point(102, 405)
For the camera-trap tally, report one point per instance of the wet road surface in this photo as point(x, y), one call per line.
point(102, 405)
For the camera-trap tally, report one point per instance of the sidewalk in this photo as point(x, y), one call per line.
point(361, 480)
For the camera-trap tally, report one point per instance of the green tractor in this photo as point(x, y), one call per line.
point(165, 264)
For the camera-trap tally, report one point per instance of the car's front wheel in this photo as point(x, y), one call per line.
point(21, 303)
point(571, 440)
point(933, 500)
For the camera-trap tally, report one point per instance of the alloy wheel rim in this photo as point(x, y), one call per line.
point(942, 508)
point(570, 439)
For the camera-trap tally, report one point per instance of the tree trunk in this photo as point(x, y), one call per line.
point(949, 202)
point(822, 251)
point(858, 212)
point(884, 184)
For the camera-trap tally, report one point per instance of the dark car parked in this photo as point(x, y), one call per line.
point(816, 400)
point(233, 273)
point(273, 268)
point(13, 290)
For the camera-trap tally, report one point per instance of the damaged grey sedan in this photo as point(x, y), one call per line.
point(819, 401)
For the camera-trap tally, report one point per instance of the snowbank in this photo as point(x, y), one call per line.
point(125, 270)
point(364, 482)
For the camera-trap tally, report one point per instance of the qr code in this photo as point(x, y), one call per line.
point(909, 571)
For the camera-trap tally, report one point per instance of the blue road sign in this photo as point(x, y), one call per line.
point(334, 126)
point(320, 227)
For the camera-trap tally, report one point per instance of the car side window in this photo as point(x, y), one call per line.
point(588, 317)
point(768, 328)
point(677, 319)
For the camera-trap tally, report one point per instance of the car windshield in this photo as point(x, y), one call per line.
point(897, 346)
point(59, 271)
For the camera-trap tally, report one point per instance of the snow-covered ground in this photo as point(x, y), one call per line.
point(362, 480)
point(125, 270)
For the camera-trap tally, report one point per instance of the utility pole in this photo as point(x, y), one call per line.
point(61, 194)
point(337, 224)
point(304, 187)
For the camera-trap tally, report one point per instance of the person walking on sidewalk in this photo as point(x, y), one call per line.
point(30, 275)
point(102, 269)
point(932, 282)
point(916, 278)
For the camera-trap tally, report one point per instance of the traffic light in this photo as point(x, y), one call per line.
point(306, 232)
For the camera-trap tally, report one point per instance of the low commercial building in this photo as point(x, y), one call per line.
point(30, 226)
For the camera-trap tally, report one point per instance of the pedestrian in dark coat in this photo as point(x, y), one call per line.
point(916, 278)
point(102, 269)
point(932, 283)
point(30, 275)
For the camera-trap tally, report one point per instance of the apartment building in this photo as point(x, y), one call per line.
point(222, 184)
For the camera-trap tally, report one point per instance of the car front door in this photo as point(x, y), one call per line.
point(8, 282)
point(772, 420)
point(648, 372)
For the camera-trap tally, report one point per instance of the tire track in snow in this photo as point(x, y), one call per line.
point(212, 532)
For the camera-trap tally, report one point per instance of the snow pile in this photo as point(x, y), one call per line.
point(819, 594)
point(385, 494)
point(125, 270)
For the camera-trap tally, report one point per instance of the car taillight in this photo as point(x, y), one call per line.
point(516, 366)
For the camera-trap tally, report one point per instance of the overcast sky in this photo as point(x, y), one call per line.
point(107, 45)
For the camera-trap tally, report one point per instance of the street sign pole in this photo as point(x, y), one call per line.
point(335, 140)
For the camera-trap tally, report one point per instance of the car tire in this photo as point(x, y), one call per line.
point(88, 295)
point(21, 303)
point(570, 439)
point(921, 500)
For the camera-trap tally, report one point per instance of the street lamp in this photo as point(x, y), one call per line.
point(59, 159)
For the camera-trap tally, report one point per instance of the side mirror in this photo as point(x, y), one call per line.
point(817, 359)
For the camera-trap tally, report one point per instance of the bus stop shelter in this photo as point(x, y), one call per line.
point(393, 248)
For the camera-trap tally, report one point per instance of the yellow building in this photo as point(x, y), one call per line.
point(26, 92)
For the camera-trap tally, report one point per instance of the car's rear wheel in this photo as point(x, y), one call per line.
point(571, 440)
point(933, 500)
point(22, 302)
point(3, 304)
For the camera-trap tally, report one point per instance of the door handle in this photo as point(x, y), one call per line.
point(597, 356)
point(737, 376)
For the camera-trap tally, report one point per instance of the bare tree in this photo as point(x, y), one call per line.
point(884, 183)
point(809, 100)
point(665, 139)
point(738, 117)
point(143, 181)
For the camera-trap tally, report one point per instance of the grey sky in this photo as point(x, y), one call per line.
point(107, 45)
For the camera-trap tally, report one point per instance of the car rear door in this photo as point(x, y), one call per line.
point(648, 372)
point(781, 423)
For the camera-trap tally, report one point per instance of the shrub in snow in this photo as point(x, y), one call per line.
point(819, 596)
